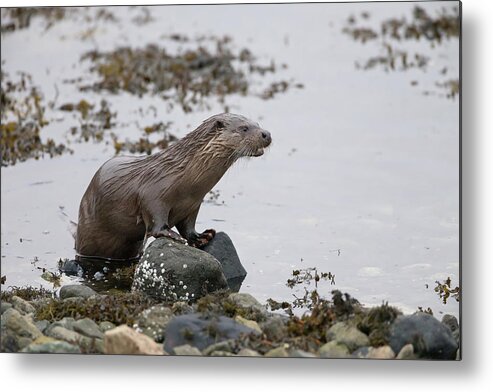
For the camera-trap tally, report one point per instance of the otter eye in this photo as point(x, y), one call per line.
point(244, 129)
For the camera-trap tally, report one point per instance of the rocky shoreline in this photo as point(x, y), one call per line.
point(184, 301)
point(220, 324)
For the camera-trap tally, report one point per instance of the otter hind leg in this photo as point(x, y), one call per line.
point(157, 226)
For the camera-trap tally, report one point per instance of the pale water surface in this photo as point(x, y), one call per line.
point(362, 179)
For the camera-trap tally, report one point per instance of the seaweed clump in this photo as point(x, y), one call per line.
point(186, 78)
point(116, 308)
point(22, 117)
point(435, 29)
point(19, 18)
point(28, 293)
point(145, 145)
point(445, 290)
point(93, 123)
point(376, 323)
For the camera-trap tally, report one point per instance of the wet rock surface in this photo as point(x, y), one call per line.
point(222, 248)
point(201, 332)
point(169, 270)
point(429, 337)
point(76, 290)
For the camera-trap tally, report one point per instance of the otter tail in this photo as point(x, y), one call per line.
point(71, 225)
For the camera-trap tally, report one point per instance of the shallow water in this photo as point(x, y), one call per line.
point(362, 179)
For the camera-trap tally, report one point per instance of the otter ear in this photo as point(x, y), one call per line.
point(219, 124)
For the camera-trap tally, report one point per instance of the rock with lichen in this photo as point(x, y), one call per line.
point(172, 271)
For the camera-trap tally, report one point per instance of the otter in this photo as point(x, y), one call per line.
point(132, 198)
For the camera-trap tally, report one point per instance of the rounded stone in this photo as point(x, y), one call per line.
point(76, 290)
point(333, 349)
point(348, 335)
point(161, 274)
point(430, 338)
point(201, 331)
point(153, 322)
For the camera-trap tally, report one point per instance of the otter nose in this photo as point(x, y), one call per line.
point(266, 136)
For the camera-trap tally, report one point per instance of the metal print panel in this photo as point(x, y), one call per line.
point(264, 180)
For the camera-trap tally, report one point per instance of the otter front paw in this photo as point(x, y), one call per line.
point(203, 239)
point(168, 233)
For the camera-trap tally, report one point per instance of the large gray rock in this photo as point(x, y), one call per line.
point(200, 331)
point(429, 337)
point(222, 248)
point(169, 270)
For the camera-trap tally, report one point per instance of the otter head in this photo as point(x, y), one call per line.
point(242, 136)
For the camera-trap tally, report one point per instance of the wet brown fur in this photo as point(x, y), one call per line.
point(131, 197)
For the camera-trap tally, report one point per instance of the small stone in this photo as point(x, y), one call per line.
point(274, 328)
point(20, 325)
point(61, 333)
point(382, 352)
point(186, 349)
point(22, 305)
point(23, 342)
point(42, 325)
point(246, 352)
point(71, 267)
point(279, 352)
point(88, 327)
point(53, 347)
point(66, 322)
point(248, 323)
point(225, 345)
point(361, 352)
point(153, 321)
point(76, 290)
point(247, 301)
point(451, 322)
point(106, 326)
point(352, 337)
point(4, 306)
point(124, 340)
point(333, 349)
point(407, 352)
